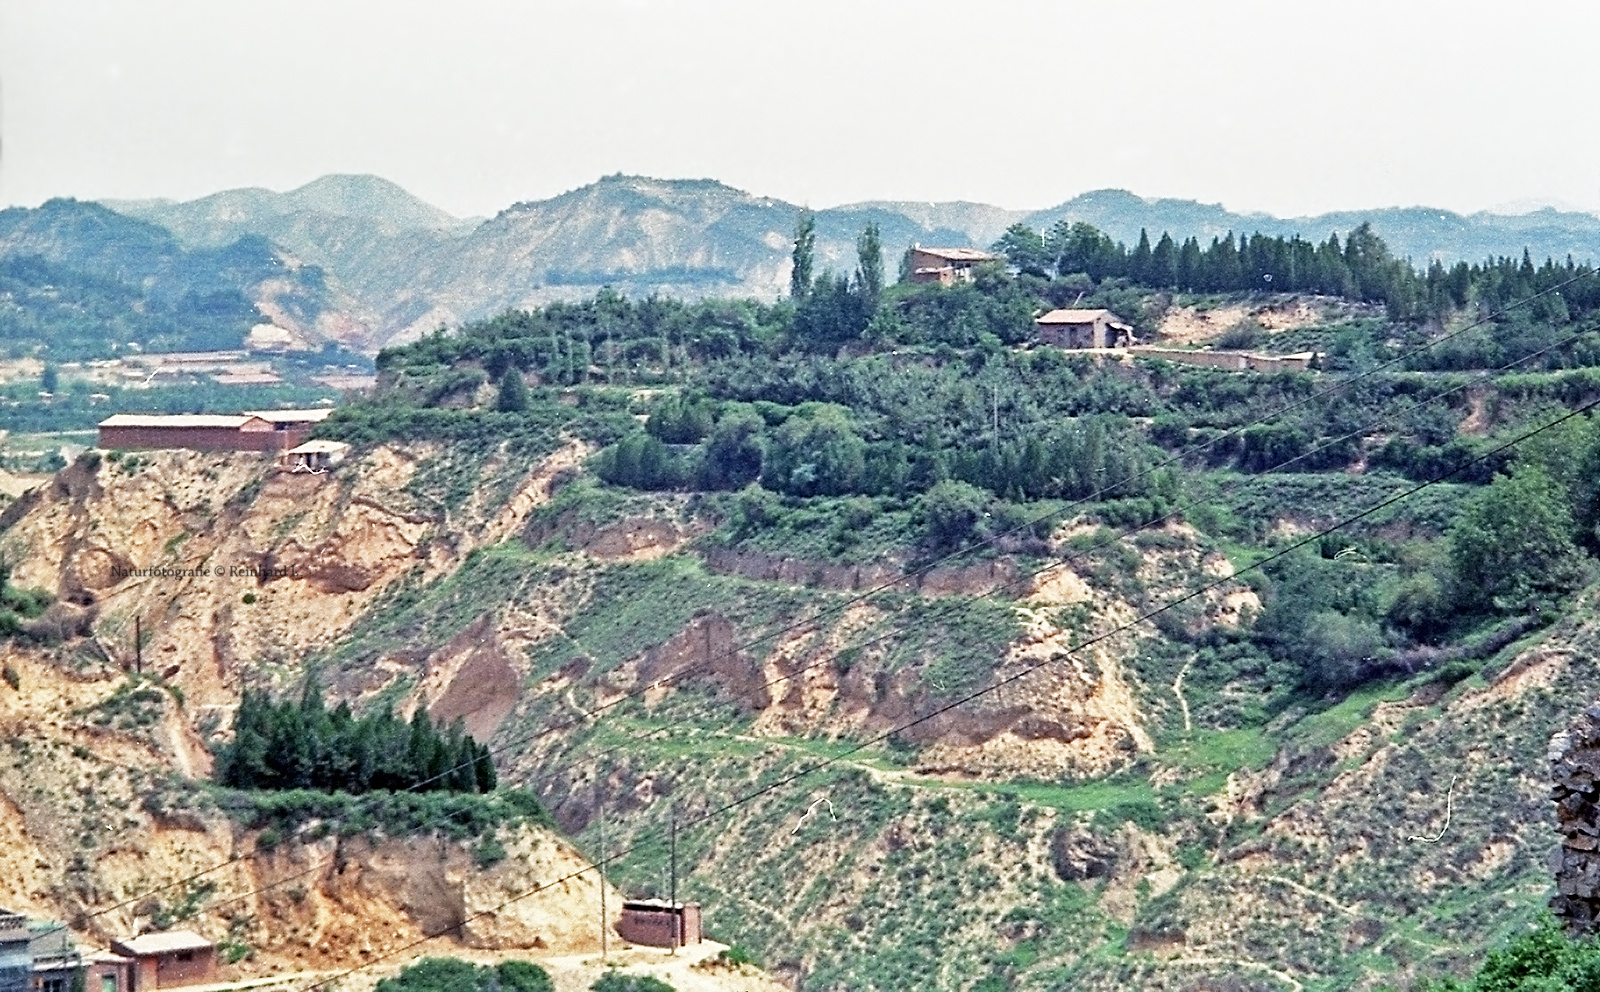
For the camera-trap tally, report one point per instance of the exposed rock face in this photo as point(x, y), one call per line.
point(1574, 757)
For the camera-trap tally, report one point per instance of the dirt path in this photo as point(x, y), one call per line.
point(1177, 690)
point(1313, 893)
point(1281, 976)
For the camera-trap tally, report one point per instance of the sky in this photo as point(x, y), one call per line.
point(1292, 108)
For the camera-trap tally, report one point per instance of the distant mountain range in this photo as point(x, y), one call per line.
point(359, 260)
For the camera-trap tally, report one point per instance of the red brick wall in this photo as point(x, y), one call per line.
point(653, 927)
point(199, 969)
point(93, 980)
point(201, 438)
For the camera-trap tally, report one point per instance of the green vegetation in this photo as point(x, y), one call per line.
point(1546, 960)
point(1361, 268)
point(18, 606)
point(136, 703)
point(616, 981)
point(863, 426)
point(311, 813)
point(303, 745)
point(455, 975)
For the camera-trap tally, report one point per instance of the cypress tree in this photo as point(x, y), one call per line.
point(1139, 262)
point(1163, 271)
point(512, 396)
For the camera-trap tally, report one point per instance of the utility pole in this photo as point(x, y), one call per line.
point(138, 645)
point(996, 424)
point(672, 897)
point(601, 808)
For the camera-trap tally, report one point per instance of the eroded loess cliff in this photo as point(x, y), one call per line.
point(255, 571)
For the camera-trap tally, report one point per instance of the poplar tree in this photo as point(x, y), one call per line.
point(805, 243)
point(869, 265)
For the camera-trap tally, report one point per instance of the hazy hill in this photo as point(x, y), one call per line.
point(1420, 233)
point(688, 238)
point(223, 217)
point(400, 267)
point(80, 273)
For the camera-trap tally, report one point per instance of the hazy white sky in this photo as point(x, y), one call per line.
point(1287, 107)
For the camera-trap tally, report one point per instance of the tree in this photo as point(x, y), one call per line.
point(733, 452)
point(869, 265)
point(1139, 261)
point(1512, 541)
point(50, 380)
point(1023, 247)
point(805, 243)
point(1163, 269)
point(950, 512)
point(513, 392)
point(820, 455)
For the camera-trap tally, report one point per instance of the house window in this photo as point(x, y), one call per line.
point(185, 955)
point(108, 983)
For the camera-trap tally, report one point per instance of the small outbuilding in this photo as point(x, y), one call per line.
point(166, 960)
point(655, 922)
point(314, 456)
point(1074, 328)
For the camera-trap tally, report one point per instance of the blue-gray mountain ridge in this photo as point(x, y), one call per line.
point(394, 267)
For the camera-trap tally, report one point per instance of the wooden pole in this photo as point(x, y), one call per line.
point(138, 645)
point(672, 899)
point(600, 806)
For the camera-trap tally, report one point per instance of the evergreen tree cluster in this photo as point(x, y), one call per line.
point(820, 449)
point(304, 745)
point(1360, 268)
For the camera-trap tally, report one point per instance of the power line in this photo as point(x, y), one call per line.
point(734, 650)
point(1010, 587)
point(857, 748)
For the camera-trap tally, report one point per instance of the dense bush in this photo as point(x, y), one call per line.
point(455, 975)
point(616, 981)
point(1545, 960)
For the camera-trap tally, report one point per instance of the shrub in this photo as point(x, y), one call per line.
point(12, 678)
point(950, 512)
point(455, 975)
point(616, 981)
point(1545, 959)
point(489, 852)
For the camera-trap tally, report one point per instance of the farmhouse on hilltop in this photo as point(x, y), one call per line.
point(946, 266)
point(253, 430)
point(1073, 328)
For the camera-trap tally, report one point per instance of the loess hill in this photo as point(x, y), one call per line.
point(960, 663)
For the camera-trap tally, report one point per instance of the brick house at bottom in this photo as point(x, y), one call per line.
point(1072, 328)
point(651, 922)
point(164, 960)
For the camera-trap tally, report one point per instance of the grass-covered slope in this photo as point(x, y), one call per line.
point(1322, 772)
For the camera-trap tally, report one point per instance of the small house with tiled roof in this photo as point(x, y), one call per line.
point(1075, 328)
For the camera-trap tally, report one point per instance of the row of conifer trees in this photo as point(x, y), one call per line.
point(303, 745)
